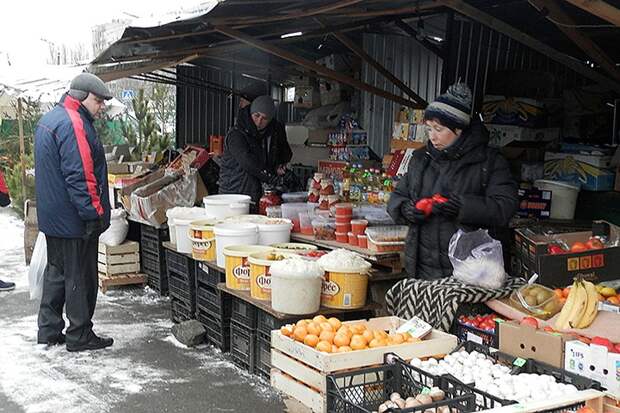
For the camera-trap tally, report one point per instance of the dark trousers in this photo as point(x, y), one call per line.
point(70, 280)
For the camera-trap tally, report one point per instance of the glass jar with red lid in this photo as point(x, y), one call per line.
point(269, 199)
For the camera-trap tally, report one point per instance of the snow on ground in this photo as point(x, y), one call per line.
point(50, 379)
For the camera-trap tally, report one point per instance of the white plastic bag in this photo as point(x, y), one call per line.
point(477, 259)
point(116, 234)
point(38, 262)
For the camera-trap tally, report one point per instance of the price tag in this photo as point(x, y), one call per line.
point(519, 362)
point(499, 320)
point(474, 338)
point(425, 390)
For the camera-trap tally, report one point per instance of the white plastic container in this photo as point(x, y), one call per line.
point(185, 213)
point(233, 234)
point(274, 231)
point(563, 197)
point(296, 292)
point(226, 205)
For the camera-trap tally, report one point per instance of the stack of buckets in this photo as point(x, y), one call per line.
point(350, 231)
point(203, 239)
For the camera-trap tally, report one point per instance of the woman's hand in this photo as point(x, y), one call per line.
point(411, 213)
point(450, 208)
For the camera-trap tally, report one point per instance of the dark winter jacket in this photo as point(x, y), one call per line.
point(5, 199)
point(478, 176)
point(245, 165)
point(71, 175)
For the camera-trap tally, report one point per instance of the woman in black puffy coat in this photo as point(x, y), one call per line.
point(458, 164)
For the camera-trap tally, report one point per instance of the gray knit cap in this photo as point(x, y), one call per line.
point(452, 109)
point(264, 104)
point(84, 83)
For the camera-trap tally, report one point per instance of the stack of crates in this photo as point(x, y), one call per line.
point(182, 285)
point(213, 307)
point(153, 257)
point(264, 324)
point(243, 334)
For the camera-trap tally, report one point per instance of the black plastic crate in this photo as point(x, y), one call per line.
point(151, 246)
point(263, 355)
point(244, 313)
point(561, 375)
point(179, 311)
point(463, 332)
point(214, 301)
point(365, 389)
point(181, 265)
point(483, 400)
point(158, 234)
point(265, 322)
point(242, 346)
point(208, 275)
point(182, 290)
point(218, 331)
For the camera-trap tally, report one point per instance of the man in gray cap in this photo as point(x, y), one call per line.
point(73, 209)
point(256, 150)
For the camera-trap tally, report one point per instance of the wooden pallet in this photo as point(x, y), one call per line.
point(120, 259)
point(302, 372)
point(107, 281)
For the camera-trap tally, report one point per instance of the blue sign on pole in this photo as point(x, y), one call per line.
point(128, 94)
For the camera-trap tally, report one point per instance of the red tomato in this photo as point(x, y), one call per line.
point(602, 341)
point(438, 198)
point(529, 321)
point(617, 347)
point(578, 247)
point(555, 249)
point(425, 205)
point(594, 244)
point(549, 329)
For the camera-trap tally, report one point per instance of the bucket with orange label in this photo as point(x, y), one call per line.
point(203, 240)
point(344, 288)
point(260, 276)
point(237, 265)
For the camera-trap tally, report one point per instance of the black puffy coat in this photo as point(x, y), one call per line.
point(481, 178)
point(244, 166)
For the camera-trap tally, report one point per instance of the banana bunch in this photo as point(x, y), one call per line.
point(581, 306)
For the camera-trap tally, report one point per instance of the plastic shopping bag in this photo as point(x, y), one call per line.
point(117, 232)
point(37, 267)
point(477, 259)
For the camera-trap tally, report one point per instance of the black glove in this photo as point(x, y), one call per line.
point(411, 213)
point(450, 208)
point(93, 228)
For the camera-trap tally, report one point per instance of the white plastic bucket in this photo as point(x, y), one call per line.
point(563, 197)
point(193, 213)
point(183, 242)
point(226, 205)
point(233, 234)
point(274, 231)
point(295, 294)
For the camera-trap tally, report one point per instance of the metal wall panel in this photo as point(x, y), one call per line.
point(408, 60)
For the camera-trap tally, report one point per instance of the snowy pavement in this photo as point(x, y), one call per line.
point(146, 369)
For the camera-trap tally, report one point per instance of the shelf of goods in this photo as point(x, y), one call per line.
point(302, 372)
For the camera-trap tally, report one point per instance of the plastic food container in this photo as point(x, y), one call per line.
point(378, 219)
point(274, 230)
point(260, 277)
point(358, 226)
point(362, 241)
point(291, 211)
point(296, 293)
point(537, 300)
point(324, 229)
point(203, 239)
point(342, 237)
point(294, 247)
point(389, 238)
point(343, 227)
point(274, 212)
point(297, 197)
point(226, 205)
point(344, 219)
point(352, 239)
point(237, 266)
point(305, 223)
point(344, 209)
point(233, 234)
point(345, 288)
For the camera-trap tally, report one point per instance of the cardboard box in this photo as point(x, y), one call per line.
point(528, 342)
point(518, 111)
point(502, 135)
point(307, 97)
point(534, 203)
point(557, 271)
point(594, 362)
point(592, 172)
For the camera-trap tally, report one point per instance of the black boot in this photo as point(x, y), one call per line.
point(60, 339)
point(95, 343)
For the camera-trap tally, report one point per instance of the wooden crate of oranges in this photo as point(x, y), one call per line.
point(304, 354)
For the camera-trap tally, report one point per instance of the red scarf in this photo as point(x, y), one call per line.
point(3, 187)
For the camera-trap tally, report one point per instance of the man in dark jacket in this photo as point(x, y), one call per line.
point(457, 163)
point(255, 150)
point(73, 209)
point(5, 200)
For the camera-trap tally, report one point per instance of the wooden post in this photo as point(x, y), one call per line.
point(599, 8)
point(22, 146)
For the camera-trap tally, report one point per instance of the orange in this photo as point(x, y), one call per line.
point(327, 336)
point(311, 340)
point(344, 349)
point(614, 300)
point(601, 297)
point(300, 333)
point(558, 292)
point(313, 328)
point(326, 327)
point(413, 339)
point(357, 328)
point(566, 291)
point(379, 334)
point(301, 323)
point(397, 338)
point(375, 342)
point(341, 339)
point(324, 346)
point(335, 323)
point(286, 331)
point(368, 335)
point(334, 348)
point(319, 319)
point(358, 342)
point(346, 331)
